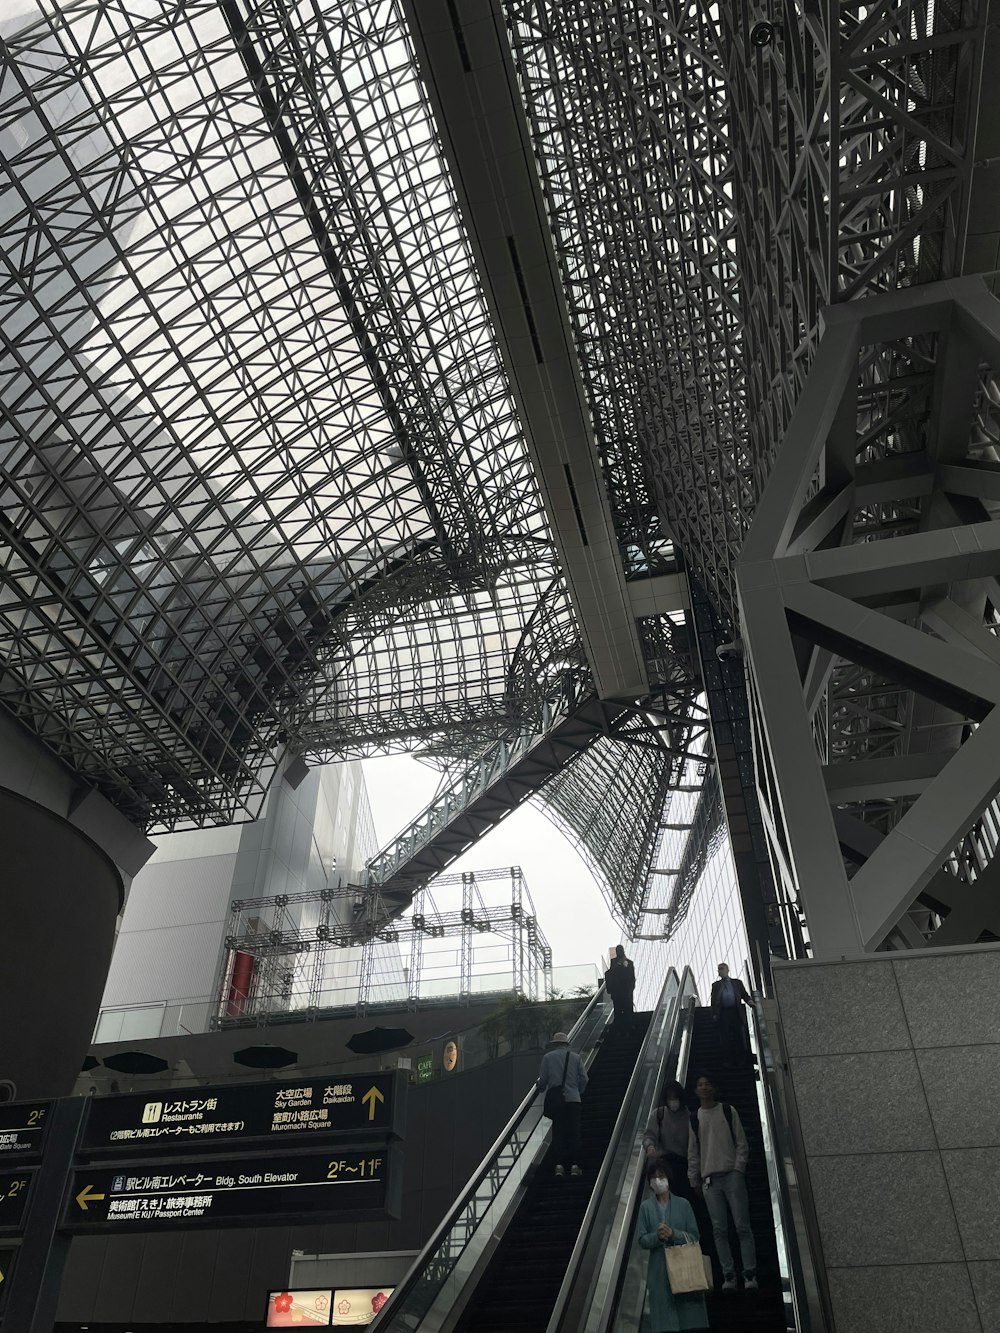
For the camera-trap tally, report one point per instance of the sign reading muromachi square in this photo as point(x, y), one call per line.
point(190, 1119)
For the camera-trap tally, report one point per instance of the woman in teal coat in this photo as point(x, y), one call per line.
point(662, 1220)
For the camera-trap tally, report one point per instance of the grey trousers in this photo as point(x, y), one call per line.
point(727, 1193)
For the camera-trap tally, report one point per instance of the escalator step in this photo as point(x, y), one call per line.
point(517, 1292)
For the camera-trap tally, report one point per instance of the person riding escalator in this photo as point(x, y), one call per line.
point(665, 1220)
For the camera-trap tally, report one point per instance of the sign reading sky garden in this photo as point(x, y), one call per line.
point(190, 1119)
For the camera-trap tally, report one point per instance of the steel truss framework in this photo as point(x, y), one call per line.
point(708, 197)
point(264, 480)
point(603, 771)
point(876, 663)
point(293, 939)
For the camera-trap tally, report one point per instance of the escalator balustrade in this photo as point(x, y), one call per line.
point(739, 1312)
point(519, 1289)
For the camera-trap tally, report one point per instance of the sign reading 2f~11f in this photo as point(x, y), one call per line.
point(189, 1119)
point(363, 1184)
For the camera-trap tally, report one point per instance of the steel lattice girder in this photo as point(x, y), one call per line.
point(262, 465)
point(511, 772)
point(708, 197)
point(894, 637)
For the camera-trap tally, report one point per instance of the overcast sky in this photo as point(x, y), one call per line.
point(568, 902)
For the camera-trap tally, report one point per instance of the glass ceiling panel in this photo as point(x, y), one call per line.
point(253, 411)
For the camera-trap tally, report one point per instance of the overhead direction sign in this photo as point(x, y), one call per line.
point(15, 1187)
point(364, 1183)
point(187, 1120)
point(22, 1128)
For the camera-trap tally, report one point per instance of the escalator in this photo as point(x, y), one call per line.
point(523, 1252)
point(499, 1258)
point(764, 1311)
point(519, 1289)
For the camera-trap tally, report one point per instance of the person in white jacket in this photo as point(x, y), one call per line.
point(717, 1163)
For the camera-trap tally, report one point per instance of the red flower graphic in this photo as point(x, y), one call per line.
point(283, 1302)
point(378, 1300)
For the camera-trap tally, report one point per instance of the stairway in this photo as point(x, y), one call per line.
point(518, 1291)
point(761, 1312)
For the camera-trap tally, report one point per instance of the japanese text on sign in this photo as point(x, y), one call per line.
point(243, 1112)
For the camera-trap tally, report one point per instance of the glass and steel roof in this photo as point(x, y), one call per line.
point(263, 478)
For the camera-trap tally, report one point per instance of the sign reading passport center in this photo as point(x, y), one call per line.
point(241, 1191)
point(278, 1112)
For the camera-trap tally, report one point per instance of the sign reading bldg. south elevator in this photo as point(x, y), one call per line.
point(361, 1183)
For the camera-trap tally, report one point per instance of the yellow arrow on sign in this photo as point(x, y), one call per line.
point(371, 1097)
point(87, 1196)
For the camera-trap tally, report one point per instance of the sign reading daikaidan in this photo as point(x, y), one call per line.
point(299, 1187)
point(189, 1119)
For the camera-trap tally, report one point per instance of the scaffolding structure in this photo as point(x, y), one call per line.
point(282, 950)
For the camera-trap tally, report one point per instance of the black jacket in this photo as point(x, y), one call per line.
point(620, 978)
point(739, 990)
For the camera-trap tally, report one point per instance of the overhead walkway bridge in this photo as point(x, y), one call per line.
point(522, 1252)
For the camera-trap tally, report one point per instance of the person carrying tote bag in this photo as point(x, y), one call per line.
point(667, 1225)
point(688, 1269)
point(563, 1079)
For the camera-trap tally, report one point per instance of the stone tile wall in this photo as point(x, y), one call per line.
point(895, 1068)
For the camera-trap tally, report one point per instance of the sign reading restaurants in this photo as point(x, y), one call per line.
point(190, 1119)
point(301, 1187)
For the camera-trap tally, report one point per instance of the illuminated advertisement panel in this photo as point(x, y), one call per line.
point(355, 1306)
point(299, 1309)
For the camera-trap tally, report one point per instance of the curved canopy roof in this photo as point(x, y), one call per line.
point(264, 476)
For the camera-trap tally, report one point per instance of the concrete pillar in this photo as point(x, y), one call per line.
point(59, 897)
point(893, 1062)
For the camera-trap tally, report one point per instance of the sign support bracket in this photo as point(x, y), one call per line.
point(31, 1303)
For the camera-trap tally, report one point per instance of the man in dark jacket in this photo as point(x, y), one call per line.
point(620, 982)
point(728, 994)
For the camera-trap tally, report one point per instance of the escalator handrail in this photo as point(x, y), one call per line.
point(680, 1040)
point(408, 1282)
point(810, 1297)
point(626, 1116)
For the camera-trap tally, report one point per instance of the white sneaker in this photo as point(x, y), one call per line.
point(729, 1283)
point(750, 1284)
point(560, 1173)
point(575, 1171)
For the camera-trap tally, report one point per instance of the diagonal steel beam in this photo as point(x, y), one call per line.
point(909, 857)
point(872, 639)
point(466, 61)
point(486, 792)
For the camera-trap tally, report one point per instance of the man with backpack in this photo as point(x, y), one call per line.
point(563, 1079)
point(666, 1136)
point(717, 1163)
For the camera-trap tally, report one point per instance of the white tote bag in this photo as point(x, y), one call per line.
point(687, 1268)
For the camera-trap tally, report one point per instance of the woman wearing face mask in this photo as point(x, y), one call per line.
point(666, 1136)
point(663, 1220)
